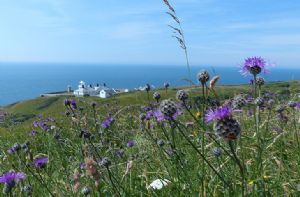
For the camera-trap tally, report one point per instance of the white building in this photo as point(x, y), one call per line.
point(89, 90)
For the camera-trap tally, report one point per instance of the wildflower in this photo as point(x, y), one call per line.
point(203, 76)
point(105, 162)
point(292, 104)
point(298, 105)
point(166, 85)
point(182, 95)
point(93, 104)
point(238, 102)
point(156, 96)
point(254, 66)
point(160, 142)
point(74, 104)
point(86, 191)
point(10, 178)
point(11, 150)
point(108, 122)
point(131, 143)
point(161, 117)
point(220, 113)
point(260, 81)
point(27, 190)
point(168, 107)
point(259, 101)
point(40, 161)
point(198, 114)
point(225, 126)
point(147, 87)
point(158, 184)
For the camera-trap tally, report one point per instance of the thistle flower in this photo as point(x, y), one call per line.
point(40, 161)
point(259, 101)
point(166, 85)
point(9, 178)
point(203, 76)
point(147, 87)
point(238, 102)
point(168, 107)
point(74, 104)
point(225, 126)
point(105, 162)
point(27, 190)
point(254, 66)
point(86, 191)
point(156, 96)
point(182, 95)
point(161, 117)
point(292, 104)
point(218, 114)
point(108, 122)
point(131, 143)
point(260, 81)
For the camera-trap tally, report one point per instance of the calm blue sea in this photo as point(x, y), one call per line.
point(25, 81)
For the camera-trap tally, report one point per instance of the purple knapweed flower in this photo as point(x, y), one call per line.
point(10, 177)
point(131, 143)
point(33, 133)
point(41, 162)
point(253, 65)
point(11, 150)
point(108, 122)
point(35, 123)
point(220, 113)
point(161, 117)
point(74, 104)
point(298, 105)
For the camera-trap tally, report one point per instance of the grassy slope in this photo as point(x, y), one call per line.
point(26, 111)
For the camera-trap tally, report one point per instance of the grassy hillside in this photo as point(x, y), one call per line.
point(118, 146)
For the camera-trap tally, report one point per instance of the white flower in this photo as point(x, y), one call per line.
point(52, 127)
point(158, 184)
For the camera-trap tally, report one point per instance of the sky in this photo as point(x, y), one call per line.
point(217, 32)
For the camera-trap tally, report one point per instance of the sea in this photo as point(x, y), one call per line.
point(22, 81)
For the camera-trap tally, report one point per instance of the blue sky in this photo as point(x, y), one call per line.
point(218, 32)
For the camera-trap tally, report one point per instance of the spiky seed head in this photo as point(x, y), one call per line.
point(182, 95)
point(203, 76)
point(280, 108)
point(168, 107)
point(259, 101)
point(156, 96)
point(228, 129)
point(27, 189)
point(105, 162)
point(147, 87)
point(160, 142)
point(260, 81)
point(217, 152)
point(292, 104)
point(238, 102)
point(166, 85)
point(86, 191)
